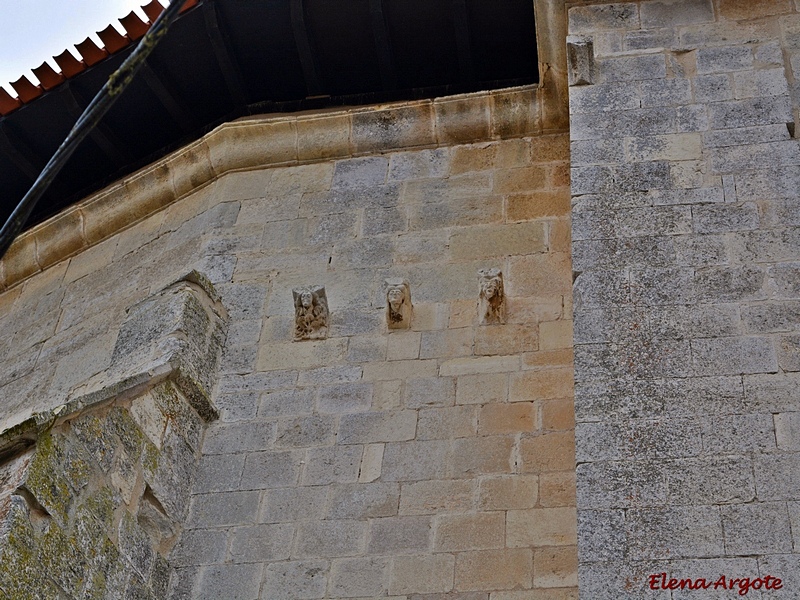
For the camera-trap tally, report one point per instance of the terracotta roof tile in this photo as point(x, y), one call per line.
point(152, 10)
point(113, 42)
point(26, 90)
point(69, 65)
point(134, 26)
point(47, 76)
point(7, 102)
point(91, 52)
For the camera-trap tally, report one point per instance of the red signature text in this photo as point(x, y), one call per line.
point(660, 581)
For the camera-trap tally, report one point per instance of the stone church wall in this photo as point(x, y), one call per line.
point(431, 460)
point(685, 173)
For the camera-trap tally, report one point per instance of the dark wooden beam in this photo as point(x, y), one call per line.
point(383, 45)
point(463, 45)
point(306, 50)
point(168, 98)
point(24, 159)
point(227, 64)
point(101, 135)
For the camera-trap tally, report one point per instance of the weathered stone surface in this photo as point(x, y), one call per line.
point(311, 313)
point(366, 428)
point(700, 324)
point(423, 574)
point(261, 542)
point(430, 497)
point(298, 580)
point(612, 16)
point(400, 535)
point(74, 505)
point(671, 13)
point(339, 464)
point(580, 58)
point(330, 538)
point(293, 504)
point(499, 569)
point(265, 470)
point(358, 577)
point(478, 531)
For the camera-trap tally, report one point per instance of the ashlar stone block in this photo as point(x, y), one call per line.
point(330, 538)
point(555, 567)
point(297, 580)
point(435, 496)
point(399, 535)
point(619, 15)
point(476, 531)
point(494, 569)
point(761, 528)
point(358, 577)
point(422, 574)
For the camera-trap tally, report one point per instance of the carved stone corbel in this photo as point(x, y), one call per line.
point(492, 299)
point(398, 304)
point(311, 316)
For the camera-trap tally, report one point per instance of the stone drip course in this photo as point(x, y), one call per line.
point(255, 143)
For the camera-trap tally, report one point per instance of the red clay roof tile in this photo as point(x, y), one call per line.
point(113, 40)
point(48, 76)
point(25, 89)
point(152, 10)
point(7, 102)
point(91, 52)
point(69, 65)
point(134, 26)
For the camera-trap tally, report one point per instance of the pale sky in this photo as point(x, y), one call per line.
point(32, 31)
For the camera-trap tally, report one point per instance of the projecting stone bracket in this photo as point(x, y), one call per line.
point(492, 297)
point(94, 493)
point(311, 314)
point(580, 60)
point(398, 304)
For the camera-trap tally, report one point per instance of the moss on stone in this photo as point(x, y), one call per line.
point(100, 505)
point(76, 467)
point(178, 412)
point(61, 558)
point(96, 438)
point(96, 587)
point(45, 480)
point(18, 555)
point(151, 458)
point(127, 431)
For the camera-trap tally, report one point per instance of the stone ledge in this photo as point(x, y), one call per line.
point(154, 347)
point(285, 140)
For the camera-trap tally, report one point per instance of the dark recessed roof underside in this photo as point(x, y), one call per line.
point(228, 58)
